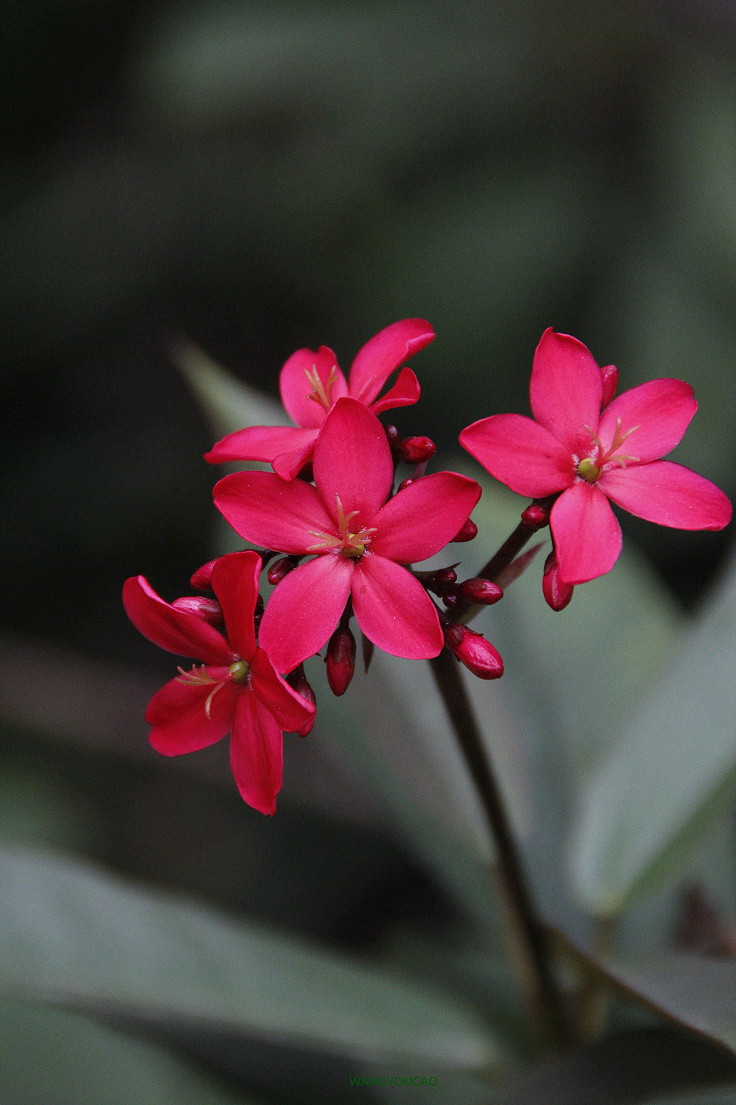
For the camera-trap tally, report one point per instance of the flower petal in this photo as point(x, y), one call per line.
point(586, 533)
point(270, 512)
point(175, 630)
point(304, 610)
point(393, 609)
point(291, 711)
point(296, 387)
point(288, 465)
point(421, 519)
point(256, 753)
point(260, 443)
point(178, 717)
point(235, 582)
point(566, 389)
point(352, 462)
point(383, 354)
point(520, 453)
point(405, 391)
point(669, 494)
point(656, 414)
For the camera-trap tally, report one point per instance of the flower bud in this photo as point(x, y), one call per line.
point(416, 450)
point(451, 598)
point(340, 660)
point(279, 569)
point(202, 578)
point(467, 531)
point(207, 609)
point(609, 375)
point(393, 437)
point(557, 594)
point(536, 516)
point(481, 592)
point(298, 681)
point(406, 483)
point(474, 651)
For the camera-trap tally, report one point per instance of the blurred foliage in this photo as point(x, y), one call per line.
point(254, 178)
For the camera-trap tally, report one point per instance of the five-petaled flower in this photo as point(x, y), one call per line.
point(359, 539)
point(312, 382)
point(587, 456)
point(237, 690)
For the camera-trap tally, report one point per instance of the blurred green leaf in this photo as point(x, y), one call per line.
point(654, 786)
point(74, 937)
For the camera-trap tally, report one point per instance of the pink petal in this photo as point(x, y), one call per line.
point(289, 465)
point(235, 582)
point(566, 389)
point(668, 494)
point(178, 717)
point(256, 753)
point(660, 410)
point(352, 462)
point(383, 354)
point(291, 711)
point(270, 512)
point(405, 391)
point(260, 443)
point(296, 387)
point(175, 630)
point(421, 519)
point(304, 610)
point(586, 533)
point(393, 609)
point(520, 453)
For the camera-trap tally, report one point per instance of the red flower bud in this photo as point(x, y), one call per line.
point(393, 437)
point(609, 374)
point(474, 651)
point(208, 609)
point(482, 592)
point(406, 483)
point(279, 569)
point(340, 660)
point(451, 599)
point(298, 681)
point(467, 531)
point(556, 593)
point(536, 516)
point(416, 450)
point(202, 578)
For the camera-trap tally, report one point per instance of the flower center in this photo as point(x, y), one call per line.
point(238, 672)
point(321, 391)
point(590, 468)
point(351, 544)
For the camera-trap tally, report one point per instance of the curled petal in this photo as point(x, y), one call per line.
point(288, 465)
point(306, 373)
point(520, 453)
point(420, 520)
point(175, 630)
point(256, 753)
point(654, 416)
point(668, 494)
point(270, 512)
point(263, 443)
point(235, 582)
point(586, 533)
point(304, 609)
point(291, 711)
point(566, 389)
point(383, 354)
point(405, 391)
point(352, 462)
point(185, 717)
point(393, 609)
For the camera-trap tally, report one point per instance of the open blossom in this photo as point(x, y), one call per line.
point(359, 539)
point(587, 456)
point(237, 690)
point(311, 382)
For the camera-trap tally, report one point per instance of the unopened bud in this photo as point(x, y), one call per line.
point(474, 651)
point(393, 437)
point(451, 599)
point(406, 483)
point(536, 516)
point(340, 660)
point(609, 375)
point(202, 578)
point(557, 594)
point(416, 450)
point(207, 609)
point(298, 681)
point(279, 569)
point(467, 531)
point(481, 592)
point(443, 581)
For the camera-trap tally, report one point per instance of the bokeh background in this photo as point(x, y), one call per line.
point(257, 177)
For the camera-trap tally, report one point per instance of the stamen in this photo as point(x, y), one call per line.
point(321, 392)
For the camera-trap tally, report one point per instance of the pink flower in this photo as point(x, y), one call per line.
point(587, 456)
point(237, 690)
point(359, 536)
point(311, 383)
